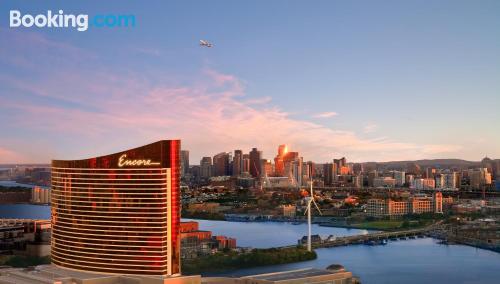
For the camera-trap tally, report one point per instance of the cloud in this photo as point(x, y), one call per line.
point(325, 114)
point(94, 111)
point(258, 101)
point(370, 127)
point(8, 156)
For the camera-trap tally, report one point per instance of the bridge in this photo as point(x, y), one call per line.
point(360, 239)
point(375, 237)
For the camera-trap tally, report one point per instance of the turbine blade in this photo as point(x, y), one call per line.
point(317, 207)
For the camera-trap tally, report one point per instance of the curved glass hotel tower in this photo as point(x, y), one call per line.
point(118, 213)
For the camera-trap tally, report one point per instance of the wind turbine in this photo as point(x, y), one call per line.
point(310, 200)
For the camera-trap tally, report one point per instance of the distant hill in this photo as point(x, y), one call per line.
point(437, 163)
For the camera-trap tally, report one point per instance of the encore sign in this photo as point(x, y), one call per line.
point(124, 162)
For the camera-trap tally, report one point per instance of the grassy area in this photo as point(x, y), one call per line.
point(223, 261)
point(23, 261)
point(203, 215)
point(391, 225)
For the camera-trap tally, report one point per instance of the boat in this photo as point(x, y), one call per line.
point(374, 243)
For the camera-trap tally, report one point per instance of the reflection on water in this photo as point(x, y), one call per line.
point(24, 211)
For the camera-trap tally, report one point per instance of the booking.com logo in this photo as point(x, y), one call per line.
point(81, 22)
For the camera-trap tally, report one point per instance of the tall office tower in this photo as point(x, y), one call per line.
point(371, 177)
point(206, 167)
point(221, 164)
point(340, 162)
point(336, 167)
point(335, 174)
point(328, 173)
point(118, 213)
point(488, 164)
point(279, 166)
point(184, 162)
point(267, 167)
point(458, 180)
point(357, 181)
point(400, 178)
point(296, 170)
point(255, 165)
point(282, 150)
point(479, 177)
point(449, 180)
point(340, 167)
point(309, 170)
point(293, 167)
point(246, 163)
point(409, 179)
point(237, 162)
point(439, 179)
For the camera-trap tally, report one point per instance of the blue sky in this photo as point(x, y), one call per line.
point(371, 80)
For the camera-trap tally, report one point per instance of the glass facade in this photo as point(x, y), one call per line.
point(119, 213)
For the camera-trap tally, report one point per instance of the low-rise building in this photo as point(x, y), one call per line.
point(378, 207)
point(30, 237)
point(196, 242)
point(289, 210)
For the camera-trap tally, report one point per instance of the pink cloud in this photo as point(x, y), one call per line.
point(8, 156)
point(109, 112)
point(325, 114)
point(209, 122)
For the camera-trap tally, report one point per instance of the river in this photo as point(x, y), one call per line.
point(411, 261)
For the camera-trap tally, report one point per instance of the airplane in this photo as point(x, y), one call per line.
point(205, 43)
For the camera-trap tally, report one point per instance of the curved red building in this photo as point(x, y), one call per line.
point(119, 213)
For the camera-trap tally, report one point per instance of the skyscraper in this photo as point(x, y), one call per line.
point(246, 163)
point(118, 213)
point(206, 167)
point(184, 162)
point(328, 173)
point(221, 164)
point(279, 166)
point(237, 162)
point(255, 164)
point(399, 176)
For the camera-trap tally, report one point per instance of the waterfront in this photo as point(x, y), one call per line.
point(11, 183)
point(411, 261)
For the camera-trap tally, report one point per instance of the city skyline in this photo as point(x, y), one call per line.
point(374, 82)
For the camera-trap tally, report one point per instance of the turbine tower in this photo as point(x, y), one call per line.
point(310, 200)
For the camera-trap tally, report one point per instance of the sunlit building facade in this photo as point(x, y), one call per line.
point(119, 213)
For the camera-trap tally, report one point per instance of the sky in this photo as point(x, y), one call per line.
point(368, 80)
